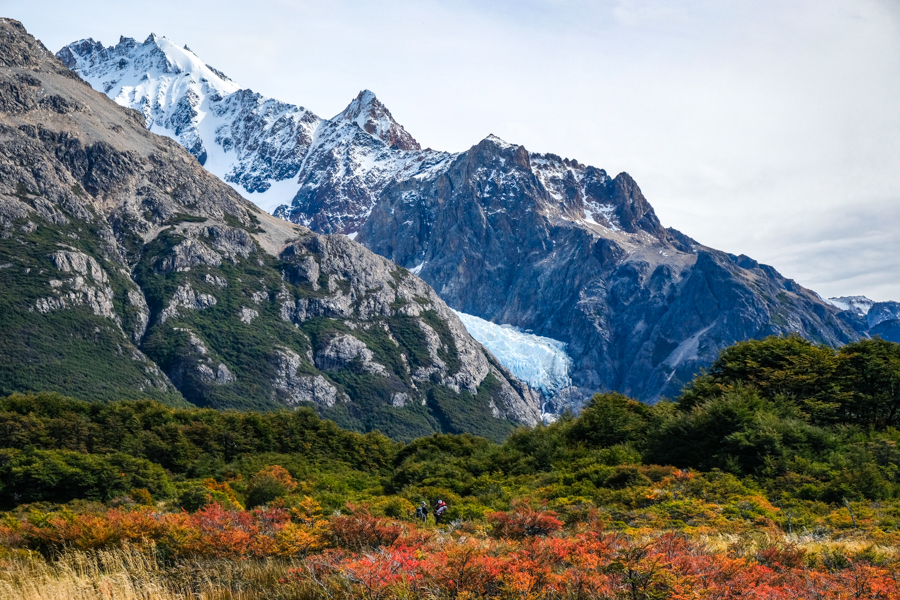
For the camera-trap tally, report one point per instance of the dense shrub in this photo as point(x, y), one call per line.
point(268, 484)
point(359, 530)
point(523, 521)
point(64, 475)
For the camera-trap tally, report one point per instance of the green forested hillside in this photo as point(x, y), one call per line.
point(780, 419)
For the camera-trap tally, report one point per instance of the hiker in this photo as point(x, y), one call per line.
point(422, 511)
point(440, 509)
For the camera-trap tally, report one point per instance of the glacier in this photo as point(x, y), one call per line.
point(540, 362)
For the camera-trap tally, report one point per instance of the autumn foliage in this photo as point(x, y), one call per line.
point(359, 530)
point(358, 555)
point(587, 565)
point(522, 522)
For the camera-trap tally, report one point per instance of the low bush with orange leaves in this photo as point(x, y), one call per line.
point(523, 521)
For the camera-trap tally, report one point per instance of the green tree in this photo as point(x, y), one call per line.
point(610, 419)
point(789, 366)
point(870, 369)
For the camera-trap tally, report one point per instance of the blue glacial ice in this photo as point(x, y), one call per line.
point(540, 362)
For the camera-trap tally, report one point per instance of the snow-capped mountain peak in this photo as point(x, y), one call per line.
point(375, 119)
point(166, 83)
point(272, 152)
point(857, 304)
point(129, 63)
point(499, 142)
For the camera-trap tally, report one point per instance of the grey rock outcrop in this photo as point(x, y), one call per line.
point(343, 350)
point(296, 389)
point(187, 299)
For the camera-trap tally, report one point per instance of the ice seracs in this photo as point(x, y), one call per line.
point(540, 362)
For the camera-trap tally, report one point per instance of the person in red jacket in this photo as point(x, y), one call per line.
point(440, 509)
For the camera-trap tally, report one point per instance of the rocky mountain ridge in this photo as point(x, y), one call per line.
point(537, 241)
point(127, 270)
point(273, 152)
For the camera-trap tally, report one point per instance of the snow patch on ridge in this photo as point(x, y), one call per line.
point(540, 362)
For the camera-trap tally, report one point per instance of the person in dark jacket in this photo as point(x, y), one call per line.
point(422, 511)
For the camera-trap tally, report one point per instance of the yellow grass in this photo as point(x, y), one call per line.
point(134, 574)
point(814, 545)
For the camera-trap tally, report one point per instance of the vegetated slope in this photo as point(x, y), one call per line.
point(130, 271)
point(773, 476)
point(533, 240)
point(775, 422)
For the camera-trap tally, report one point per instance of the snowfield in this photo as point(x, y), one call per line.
point(540, 362)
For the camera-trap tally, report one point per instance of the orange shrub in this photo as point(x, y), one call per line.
point(523, 522)
point(360, 530)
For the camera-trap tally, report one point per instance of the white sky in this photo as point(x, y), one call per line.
point(764, 127)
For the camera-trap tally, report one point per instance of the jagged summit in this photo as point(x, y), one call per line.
point(375, 119)
point(498, 141)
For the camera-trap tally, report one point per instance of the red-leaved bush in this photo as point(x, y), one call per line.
point(360, 530)
point(523, 521)
point(369, 559)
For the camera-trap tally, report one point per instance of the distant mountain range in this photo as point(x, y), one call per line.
point(129, 271)
point(540, 242)
point(881, 319)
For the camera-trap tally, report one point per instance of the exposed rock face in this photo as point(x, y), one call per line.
point(130, 271)
point(296, 388)
point(343, 350)
point(562, 249)
point(187, 299)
